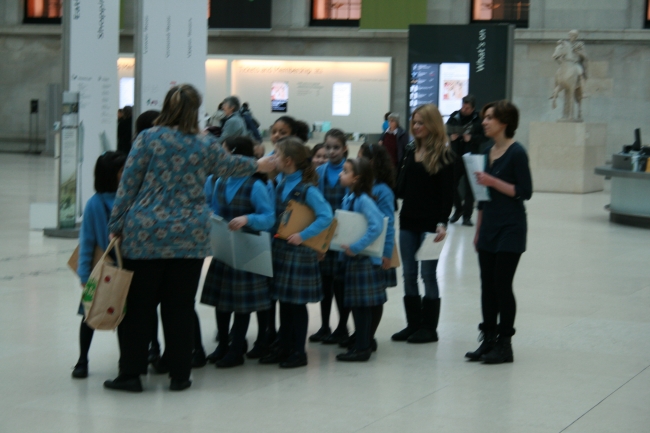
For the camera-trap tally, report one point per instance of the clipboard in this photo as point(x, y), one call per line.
point(297, 217)
point(352, 226)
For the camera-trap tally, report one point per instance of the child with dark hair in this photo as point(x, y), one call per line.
point(318, 155)
point(364, 284)
point(145, 120)
point(94, 233)
point(296, 275)
point(246, 203)
point(382, 192)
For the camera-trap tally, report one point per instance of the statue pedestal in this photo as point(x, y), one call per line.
point(563, 156)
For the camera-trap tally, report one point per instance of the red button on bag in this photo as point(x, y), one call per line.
point(111, 310)
point(107, 279)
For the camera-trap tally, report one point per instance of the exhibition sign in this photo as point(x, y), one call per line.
point(93, 50)
point(67, 168)
point(171, 48)
point(478, 61)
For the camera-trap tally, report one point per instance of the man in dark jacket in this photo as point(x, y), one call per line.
point(466, 136)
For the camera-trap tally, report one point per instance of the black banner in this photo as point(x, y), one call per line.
point(240, 14)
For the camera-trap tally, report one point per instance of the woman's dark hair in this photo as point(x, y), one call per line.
point(294, 148)
point(316, 148)
point(246, 147)
point(363, 168)
point(145, 120)
point(106, 169)
point(301, 131)
point(181, 109)
point(338, 135)
point(381, 163)
point(505, 112)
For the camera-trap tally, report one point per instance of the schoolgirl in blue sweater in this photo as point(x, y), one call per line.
point(364, 285)
point(296, 274)
point(94, 233)
point(331, 188)
point(246, 203)
point(382, 191)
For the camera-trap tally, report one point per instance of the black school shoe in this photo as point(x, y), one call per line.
point(321, 334)
point(199, 359)
point(295, 360)
point(336, 337)
point(179, 384)
point(124, 383)
point(258, 351)
point(231, 360)
point(80, 370)
point(275, 357)
point(159, 367)
point(218, 354)
point(354, 355)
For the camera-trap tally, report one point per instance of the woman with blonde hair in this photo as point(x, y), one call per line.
point(425, 184)
point(161, 216)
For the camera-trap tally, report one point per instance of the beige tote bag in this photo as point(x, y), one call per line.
point(104, 297)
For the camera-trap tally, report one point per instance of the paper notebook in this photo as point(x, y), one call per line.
point(351, 227)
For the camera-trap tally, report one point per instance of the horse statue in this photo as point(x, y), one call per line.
point(570, 76)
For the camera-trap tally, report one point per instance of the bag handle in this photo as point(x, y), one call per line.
point(114, 245)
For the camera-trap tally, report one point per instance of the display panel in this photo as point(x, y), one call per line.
point(425, 79)
point(341, 99)
point(454, 85)
point(279, 96)
point(127, 91)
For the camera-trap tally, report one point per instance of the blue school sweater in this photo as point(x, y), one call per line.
point(94, 231)
point(366, 205)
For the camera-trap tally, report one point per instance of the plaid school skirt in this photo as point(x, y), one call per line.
point(296, 274)
point(390, 277)
point(364, 283)
point(228, 289)
point(331, 266)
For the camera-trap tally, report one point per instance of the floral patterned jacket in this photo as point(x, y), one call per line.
point(160, 209)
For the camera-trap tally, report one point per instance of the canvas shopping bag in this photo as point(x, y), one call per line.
point(104, 297)
point(296, 218)
point(394, 260)
point(73, 261)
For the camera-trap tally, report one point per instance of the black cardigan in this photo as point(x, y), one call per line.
point(428, 199)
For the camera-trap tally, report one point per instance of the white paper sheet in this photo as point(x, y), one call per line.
point(474, 163)
point(430, 250)
point(240, 250)
point(351, 226)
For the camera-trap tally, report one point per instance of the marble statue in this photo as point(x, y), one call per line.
point(570, 76)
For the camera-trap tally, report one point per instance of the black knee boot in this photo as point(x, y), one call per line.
point(413, 308)
point(429, 325)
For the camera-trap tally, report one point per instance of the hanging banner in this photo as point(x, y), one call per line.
point(67, 170)
point(94, 46)
point(171, 49)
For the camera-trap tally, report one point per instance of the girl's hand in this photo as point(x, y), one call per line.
point(266, 164)
point(348, 251)
point(385, 263)
point(442, 232)
point(320, 256)
point(237, 223)
point(484, 179)
point(294, 239)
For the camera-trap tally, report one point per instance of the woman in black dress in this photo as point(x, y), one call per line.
point(501, 230)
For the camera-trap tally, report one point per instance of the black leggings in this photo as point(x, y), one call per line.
point(497, 297)
point(333, 288)
point(294, 320)
point(239, 329)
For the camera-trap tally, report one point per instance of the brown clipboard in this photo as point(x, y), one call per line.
point(297, 217)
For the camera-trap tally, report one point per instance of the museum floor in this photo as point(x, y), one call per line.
point(582, 349)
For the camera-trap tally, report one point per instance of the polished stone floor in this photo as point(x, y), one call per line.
point(582, 349)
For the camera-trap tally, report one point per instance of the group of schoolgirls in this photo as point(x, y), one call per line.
point(301, 275)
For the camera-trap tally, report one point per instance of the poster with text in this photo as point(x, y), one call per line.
point(279, 96)
point(423, 88)
point(454, 85)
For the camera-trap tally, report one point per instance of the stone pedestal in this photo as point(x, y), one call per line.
point(563, 156)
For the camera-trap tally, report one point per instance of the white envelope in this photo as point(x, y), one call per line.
point(474, 163)
point(351, 227)
point(240, 250)
point(430, 250)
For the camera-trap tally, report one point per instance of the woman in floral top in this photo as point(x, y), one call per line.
point(162, 218)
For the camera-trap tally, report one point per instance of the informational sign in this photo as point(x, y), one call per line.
point(93, 50)
point(171, 49)
point(425, 78)
point(341, 99)
point(454, 85)
point(279, 96)
point(68, 158)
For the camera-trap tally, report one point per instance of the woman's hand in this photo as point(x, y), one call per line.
point(348, 251)
point(117, 236)
point(442, 232)
point(385, 263)
point(476, 241)
point(294, 239)
point(237, 223)
point(484, 179)
point(266, 164)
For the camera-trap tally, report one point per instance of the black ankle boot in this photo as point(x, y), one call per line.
point(413, 309)
point(488, 340)
point(428, 330)
point(502, 352)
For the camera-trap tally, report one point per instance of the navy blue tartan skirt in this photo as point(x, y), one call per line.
point(390, 277)
point(296, 274)
point(364, 283)
point(228, 289)
point(331, 266)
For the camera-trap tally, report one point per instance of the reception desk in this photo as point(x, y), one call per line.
point(630, 203)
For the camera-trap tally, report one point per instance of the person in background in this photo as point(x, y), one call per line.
point(425, 184)
point(302, 131)
point(501, 230)
point(94, 234)
point(318, 155)
point(251, 123)
point(394, 139)
point(125, 130)
point(466, 135)
point(233, 124)
point(162, 221)
point(216, 119)
point(384, 126)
